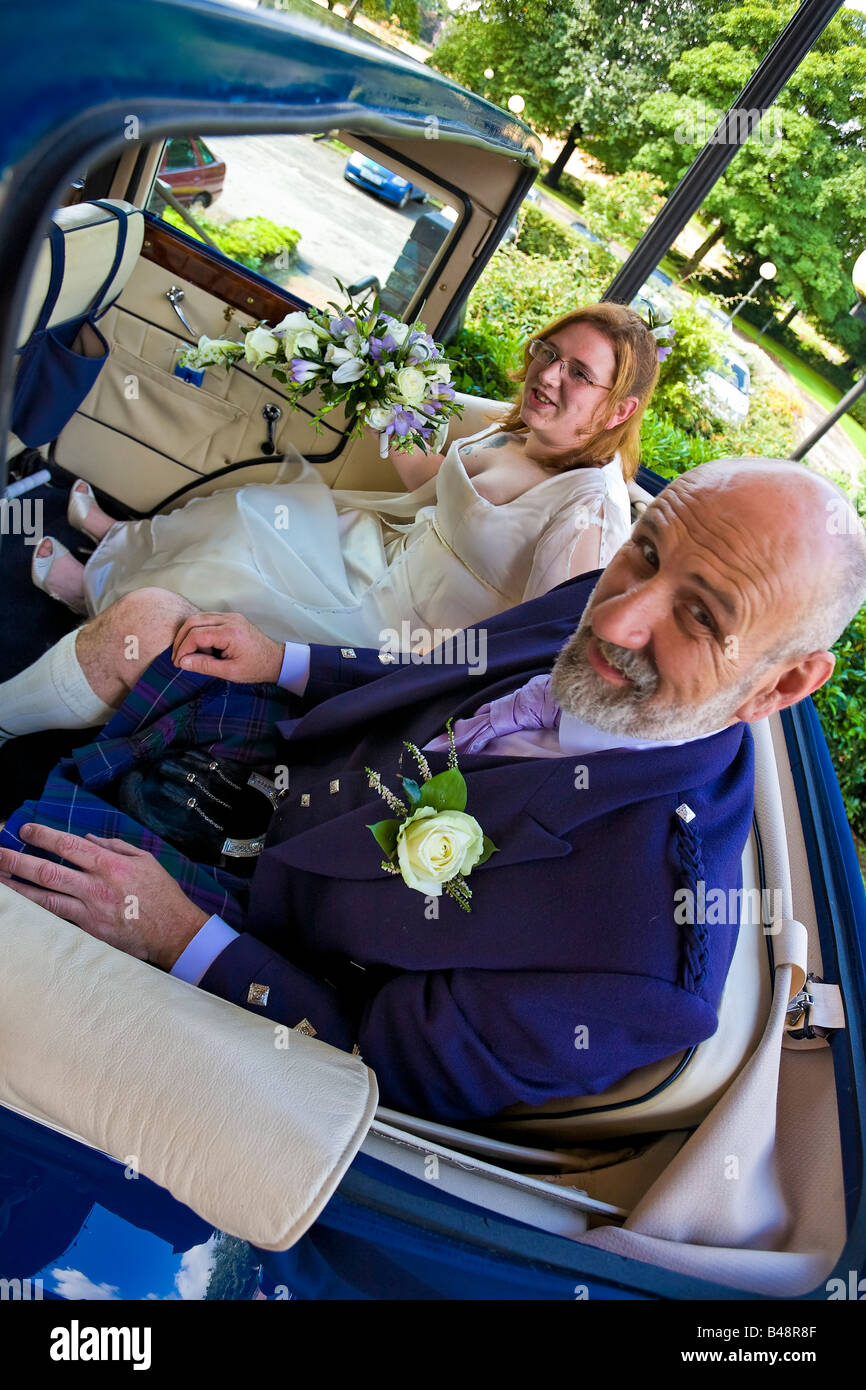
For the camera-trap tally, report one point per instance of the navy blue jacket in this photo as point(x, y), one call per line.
point(570, 970)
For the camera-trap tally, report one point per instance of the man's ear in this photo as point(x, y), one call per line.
point(625, 408)
point(792, 684)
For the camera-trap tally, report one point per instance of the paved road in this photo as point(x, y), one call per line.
point(298, 181)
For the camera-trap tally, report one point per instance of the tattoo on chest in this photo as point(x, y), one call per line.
point(496, 441)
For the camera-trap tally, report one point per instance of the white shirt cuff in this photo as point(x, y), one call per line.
point(209, 942)
point(295, 670)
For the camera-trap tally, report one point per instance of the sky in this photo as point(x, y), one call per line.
point(110, 1259)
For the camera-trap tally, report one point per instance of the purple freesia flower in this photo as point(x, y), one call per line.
point(343, 325)
point(379, 345)
point(405, 420)
point(665, 352)
point(300, 370)
point(443, 390)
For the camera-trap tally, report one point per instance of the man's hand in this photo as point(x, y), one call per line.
point(242, 652)
point(119, 894)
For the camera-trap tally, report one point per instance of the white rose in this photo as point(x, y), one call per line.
point(434, 846)
point(412, 385)
point(307, 340)
point(443, 371)
point(399, 332)
point(379, 417)
point(259, 344)
point(296, 339)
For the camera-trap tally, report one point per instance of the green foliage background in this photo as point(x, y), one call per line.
point(641, 87)
point(520, 292)
point(248, 240)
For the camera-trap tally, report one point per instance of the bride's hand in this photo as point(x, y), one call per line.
point(229, 646)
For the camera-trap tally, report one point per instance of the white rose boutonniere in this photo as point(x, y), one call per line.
point(433, 844)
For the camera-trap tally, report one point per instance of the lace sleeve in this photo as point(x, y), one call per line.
point(570, 545)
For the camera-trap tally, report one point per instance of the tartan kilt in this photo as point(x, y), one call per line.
point(168, 708)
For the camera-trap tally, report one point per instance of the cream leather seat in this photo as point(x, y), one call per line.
point(251, 1126)
point(90, 240)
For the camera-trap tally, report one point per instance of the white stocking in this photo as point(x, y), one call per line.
point(53, 693)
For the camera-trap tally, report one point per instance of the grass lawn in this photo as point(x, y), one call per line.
point(570, 205)
point(820, 390)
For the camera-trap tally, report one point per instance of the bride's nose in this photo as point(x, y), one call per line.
point(550, 372)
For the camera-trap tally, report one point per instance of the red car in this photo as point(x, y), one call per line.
point(192, 171)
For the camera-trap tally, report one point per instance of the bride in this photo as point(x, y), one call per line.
point(505, 515)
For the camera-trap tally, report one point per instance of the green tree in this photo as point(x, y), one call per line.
point(405, 12)
point(794, 193)
point(623, 208)
point(578, 64)
point(234, 1273)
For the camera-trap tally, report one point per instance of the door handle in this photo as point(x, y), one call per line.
point(271, 414)
point(175, 297)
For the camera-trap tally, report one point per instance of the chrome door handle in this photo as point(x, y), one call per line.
point(174, 297)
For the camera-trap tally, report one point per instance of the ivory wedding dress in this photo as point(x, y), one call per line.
point(311, 564)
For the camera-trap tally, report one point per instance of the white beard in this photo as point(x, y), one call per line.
point(631, 710)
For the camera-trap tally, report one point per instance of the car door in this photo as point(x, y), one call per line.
point(287, 229)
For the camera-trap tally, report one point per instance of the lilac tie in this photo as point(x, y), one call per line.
point(530, 707)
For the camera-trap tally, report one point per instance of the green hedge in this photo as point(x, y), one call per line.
point(841, 705)
point(543, 235)
point(249, 240)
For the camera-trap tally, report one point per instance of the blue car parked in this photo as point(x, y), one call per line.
point(366, 173)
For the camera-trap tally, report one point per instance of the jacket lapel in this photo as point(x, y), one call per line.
point(421, 692)
point(343, 847)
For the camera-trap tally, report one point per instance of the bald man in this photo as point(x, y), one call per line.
point(616, 787)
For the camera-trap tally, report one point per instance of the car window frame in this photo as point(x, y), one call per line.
point(461, 204)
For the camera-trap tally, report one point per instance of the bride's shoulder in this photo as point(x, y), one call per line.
point(595, 492)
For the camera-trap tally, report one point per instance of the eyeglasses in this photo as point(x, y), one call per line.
point(545, 354)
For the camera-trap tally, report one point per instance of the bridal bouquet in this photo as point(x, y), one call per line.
point(390, 376)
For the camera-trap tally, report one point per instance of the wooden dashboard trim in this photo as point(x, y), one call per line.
point(232, 284)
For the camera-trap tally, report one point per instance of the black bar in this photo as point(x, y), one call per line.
point(759, 93)
point(829, 420)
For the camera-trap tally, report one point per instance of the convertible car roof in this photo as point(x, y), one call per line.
point(155, 58)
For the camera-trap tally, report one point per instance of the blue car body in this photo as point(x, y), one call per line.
point(375, 178)
point(385, 1234)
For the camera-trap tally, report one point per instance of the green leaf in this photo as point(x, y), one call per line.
point(489, 848)
point(446, 791)
point(413, 790)
point(385, 834)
